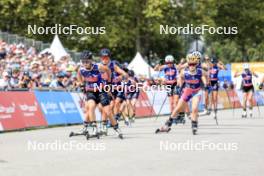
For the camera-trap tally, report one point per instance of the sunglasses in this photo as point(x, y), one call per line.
point(105, 58)
point(169, 62)
point(86, 61)
point(192, 64)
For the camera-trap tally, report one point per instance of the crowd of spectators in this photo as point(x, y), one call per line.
point(25, 68)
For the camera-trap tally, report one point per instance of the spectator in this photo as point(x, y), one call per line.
point(15, 78)
point(58, 83)
point(26, 82)
point(5, 81)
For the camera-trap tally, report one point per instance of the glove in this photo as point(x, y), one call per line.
point(225, 86)
point(206, 87)
point(179, 90)
point(82, 88)
point(261, 86)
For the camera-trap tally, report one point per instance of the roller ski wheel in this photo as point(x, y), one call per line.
point(119, 133)
point(97, 135)
point(179, 120)
point(162, 129)
point(103, 133)
point(127, 123)
point(120, 136)
point(194, 127)
point(71, 134)
point(82, 132)
point(194, 131)
point(244, 116)
point(87, 136)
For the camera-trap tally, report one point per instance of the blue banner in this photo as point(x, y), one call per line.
point(225, 74)
point(259, 97)
point(58, 107)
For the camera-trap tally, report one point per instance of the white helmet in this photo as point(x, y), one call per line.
point(169, 58)
point(191, 58)
point(245, 66)
point(197, 54)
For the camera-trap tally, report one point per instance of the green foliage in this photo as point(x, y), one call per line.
point(133, 25)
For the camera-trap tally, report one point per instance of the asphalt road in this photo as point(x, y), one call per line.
point(235, 147)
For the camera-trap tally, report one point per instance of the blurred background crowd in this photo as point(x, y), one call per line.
point(25, 68)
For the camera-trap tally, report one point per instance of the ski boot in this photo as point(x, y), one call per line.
point(166, 127)
point(194, 127)
point(108, 124)
point(118, 117)
point(118, 131)
point(250, 113)
point(95, 132)
point(180, 119)
point(132, 118)
point(103, 129)
point(244, 114)
point(84, 131)
point(188, 115)
point(206, 112)
point(127, 122)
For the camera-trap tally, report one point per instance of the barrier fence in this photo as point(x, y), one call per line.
point(26, 109)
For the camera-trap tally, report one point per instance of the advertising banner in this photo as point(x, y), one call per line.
point(19, 110)
point(156, 98)
point(143, 106)
point(58, 107)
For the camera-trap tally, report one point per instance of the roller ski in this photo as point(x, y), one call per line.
point(104, 128)
point(244, 114)
point(118, 131)
point(250, 113)
point(215, 117)
point(132, 118)
point(206, 112)
point(127, 121)
point(194, 127)
point(180, 119)
point(166, 128)
point(85, 132)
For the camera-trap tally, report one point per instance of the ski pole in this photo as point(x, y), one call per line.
point(161, 107)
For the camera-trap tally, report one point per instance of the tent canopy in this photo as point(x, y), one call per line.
point(140, 66)
point(57, 49)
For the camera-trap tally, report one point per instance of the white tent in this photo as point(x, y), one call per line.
point(56, 49)
point(140, 66)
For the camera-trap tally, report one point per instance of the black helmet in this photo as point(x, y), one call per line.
point(105, 52)
point(131, 73)
point(214, 60)
point(27, 73)
point(86, 55)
